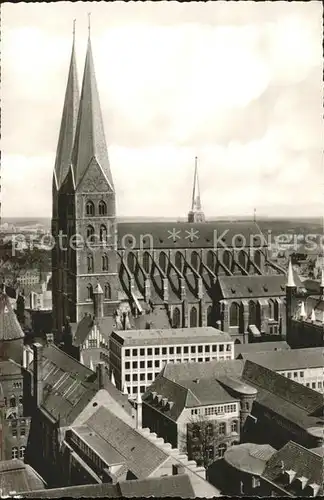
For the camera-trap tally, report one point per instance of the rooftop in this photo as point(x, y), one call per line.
point(10, 328)
point(249, 457)
point(256, 347)
point(210, 369)
point(312, 357)
point(208, 234)
point(160, 487)
point(17, 476)
point(246, 287)
point(199, 335)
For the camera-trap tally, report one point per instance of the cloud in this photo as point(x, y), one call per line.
point(239, 84)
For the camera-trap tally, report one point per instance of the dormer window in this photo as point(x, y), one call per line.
point(302, 480)
point(290, 475)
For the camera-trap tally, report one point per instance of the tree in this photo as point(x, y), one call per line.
point(200, 439)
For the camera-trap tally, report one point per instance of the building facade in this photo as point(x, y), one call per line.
point(155, 272)
point(136, 357)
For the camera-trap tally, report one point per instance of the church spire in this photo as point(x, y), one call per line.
point(196, 214)
point(90, 142)
point(68, 122)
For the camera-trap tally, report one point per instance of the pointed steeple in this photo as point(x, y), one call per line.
point(68, 122)
point(290, 276)
point(90, 142)
point(196, 214)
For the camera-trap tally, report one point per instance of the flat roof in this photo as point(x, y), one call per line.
point(249, 457)
point(199, 335)
point(293, 359)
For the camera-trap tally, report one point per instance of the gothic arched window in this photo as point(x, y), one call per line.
point(227, 259)
point(12, 401)
point(90, 210)
point(257, 258)
point(193, 317)
point(105, 262)
point(103, 233)
point(252, 313)
point(242, 258)
point(178, 260)
point(194, 260)
point(211, 260)
point(146, 262)
point(89, 291)
point(131, 261)
point(234, 314)
point(162, 261)
point(107, 292)
point(90, 234)
point(273, 310)
point(102, 208)
point(209, 316)
point(90, 263)
point(176, 318)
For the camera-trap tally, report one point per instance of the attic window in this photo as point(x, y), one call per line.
point(94, 404)
point(250, 289)
point(208, 239)
point(133, 448)
point(233, 290)
point(160, 240)
point(130, 241)
point(265, 288)
point(282, 288)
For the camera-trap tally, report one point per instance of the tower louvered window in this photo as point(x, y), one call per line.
point(107, 291)
point(105, 263)
point(193, 317)
point(103, 233)
point(90, 263)
point(90, 210)
point(90, 234)
point(102, 208)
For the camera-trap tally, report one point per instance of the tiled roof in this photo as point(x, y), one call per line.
point(84, 327)
point(17, 476)
point(142, 457)
point(58, 400)
point(170, 336)
point(296, 394)
point(312, 357)
point(249, 457)
point(9, 368)
point(245, 287)
point(299, 459)
point(10, 328)
point(160, 487)
point(210, 369)
point(206, 235)
point(107, 452)
point(256, 347)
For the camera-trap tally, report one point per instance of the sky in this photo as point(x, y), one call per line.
point(238, 84)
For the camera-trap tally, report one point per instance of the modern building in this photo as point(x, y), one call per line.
point(305, 366)
point(137, 356)
point(160, 273)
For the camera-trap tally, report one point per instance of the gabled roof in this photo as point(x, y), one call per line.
point(68, 124)
point(142, 457)
point(17, 476)
point(168, 486)
point(85, 325)
point(257, 347)
point(205, 234)
point(9, 368)
point(210, 369)
point(245, 287)
point(90, 142)
point(10, 328)
point(304, 462)
point(294, 359)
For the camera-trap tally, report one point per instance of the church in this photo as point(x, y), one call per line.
point(135, 275)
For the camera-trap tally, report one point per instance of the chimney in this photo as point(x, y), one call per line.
point(159, 398)
point(138, 411)
point(38, 375)
point(101, 374)
point(171, 403)
point(164, 402)
point(98, 301)
point(197, 380)
point(178, 469)
point(49, 338)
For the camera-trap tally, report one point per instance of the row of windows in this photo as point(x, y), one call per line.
point(103, 234)
point(313, 385)
point(15, 433)
point(141, 377)
point(158, 351)
point(104, 263)
point(211, 429)
point(216, 410)
point(17, 385)
point(157, 363)
point(293, 374)
point(193, 317)
point(91, 211)
point(18, 453)
point(195, 260)
point(13, 401)
point(236, 312)
point(106, 290)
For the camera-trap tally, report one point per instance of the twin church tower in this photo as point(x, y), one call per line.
point(84, 206)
